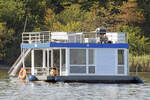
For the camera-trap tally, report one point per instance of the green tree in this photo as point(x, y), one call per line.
point(69, 19)
point(139, 45)
point(6, 37)
point(130, 14)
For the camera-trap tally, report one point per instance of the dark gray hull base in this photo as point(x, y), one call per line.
point(95, 79)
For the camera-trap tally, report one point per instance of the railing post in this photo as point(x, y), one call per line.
point(49, 36)
point(22, 38)
point(67, 61)
point(52, 58)
point(83, 37)
point(47, 58)
point(23, 61)
point(32, 62)
point(43, 38)
point(44, 60)
point(36, 38)
point(126, 37)
point(30, 41)
point(39, 41)
point(87, 59)
point(60, 61)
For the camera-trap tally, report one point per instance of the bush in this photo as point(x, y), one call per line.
point(142, 63)
point(139, 45)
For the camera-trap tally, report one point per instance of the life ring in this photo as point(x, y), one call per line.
point(22, 73)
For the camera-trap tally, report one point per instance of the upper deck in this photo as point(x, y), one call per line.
point(73, 39)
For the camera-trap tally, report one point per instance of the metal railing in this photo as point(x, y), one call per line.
point(36, 37)
point(67, 37)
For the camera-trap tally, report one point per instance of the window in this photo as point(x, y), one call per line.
point(91, 66)
point(38, 58)
point(91, 69)
point(120, 69)
point(78, 60)
point(77, 69)
point(63, 60)
point(120, 62)
point(120, 57)
point(78, 64)
point(77, 56)
point(91, 56)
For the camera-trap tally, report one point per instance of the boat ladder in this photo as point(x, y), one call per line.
point(17, 65)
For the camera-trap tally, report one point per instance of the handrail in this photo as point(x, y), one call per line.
point(17, 65)
point(18, 59)
point(47, 37)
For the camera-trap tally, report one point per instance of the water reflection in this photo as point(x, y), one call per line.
point(11, 89)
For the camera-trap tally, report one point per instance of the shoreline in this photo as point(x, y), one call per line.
point(4, 67)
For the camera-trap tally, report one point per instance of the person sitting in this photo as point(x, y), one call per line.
point(101, 35)
point(103, 38)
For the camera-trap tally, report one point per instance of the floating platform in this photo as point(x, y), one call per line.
point(95, 79)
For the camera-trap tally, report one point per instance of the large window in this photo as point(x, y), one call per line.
point(78, 56)
point(63, 60)
point(77, 60)
point(120, 61)
point(91, 66)
point(38, 58)
point(91, 56)
point(120, 57)
point(78, 64)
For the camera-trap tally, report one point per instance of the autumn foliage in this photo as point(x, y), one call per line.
point(132, 16)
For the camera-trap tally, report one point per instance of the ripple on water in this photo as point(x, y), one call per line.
point(22, 90)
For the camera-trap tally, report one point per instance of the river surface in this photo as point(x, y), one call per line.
point(12, 89)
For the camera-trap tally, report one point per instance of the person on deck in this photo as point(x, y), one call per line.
point(101, 35)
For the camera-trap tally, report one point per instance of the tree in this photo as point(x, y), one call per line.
point(6, 37)
point(13, 13)
point(130, 14)
point(69, 19)
point(102, 16)
point(139, 45)
point(145, 5)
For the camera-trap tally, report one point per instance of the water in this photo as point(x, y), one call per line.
point(21, 90)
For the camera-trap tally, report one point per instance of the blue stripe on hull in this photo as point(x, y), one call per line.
point(39, 45)
point(75, 45)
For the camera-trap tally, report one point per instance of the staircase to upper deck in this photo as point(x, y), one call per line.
point(18, 64)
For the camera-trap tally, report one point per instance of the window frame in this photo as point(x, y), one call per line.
point(86, 63)
point(121, 65)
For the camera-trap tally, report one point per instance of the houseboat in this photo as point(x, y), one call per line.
point(94, 57)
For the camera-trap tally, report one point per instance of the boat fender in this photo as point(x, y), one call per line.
point(138, 80)
point(22, 73)
point(32, 78)
point(58, 79)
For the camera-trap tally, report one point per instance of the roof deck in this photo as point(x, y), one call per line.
point(74, 39)
point(70, 37)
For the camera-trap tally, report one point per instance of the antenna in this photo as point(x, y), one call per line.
point(25, 24)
